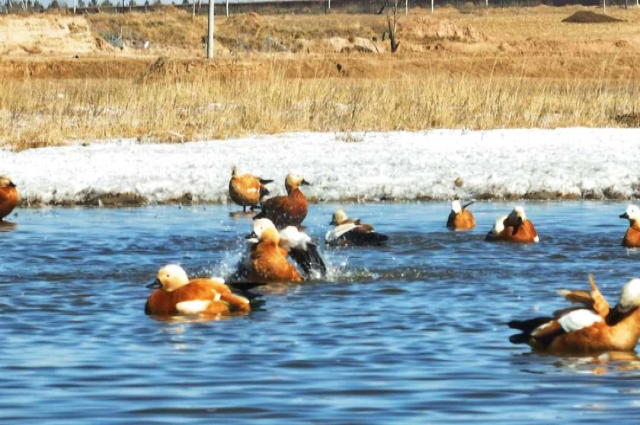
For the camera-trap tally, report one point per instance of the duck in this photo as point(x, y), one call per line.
point(592, 327)
point(9, 196)
point(460, 218)
point(176, 295)
point(352, 232)
point(514, 227)
point(632, 237)
point(289, 210)
point(247, 190)
point(269, 250)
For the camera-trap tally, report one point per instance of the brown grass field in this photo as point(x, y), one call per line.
point(469, 68)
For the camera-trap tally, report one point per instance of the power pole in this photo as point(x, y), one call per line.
point(228, 8)
point(212, 15)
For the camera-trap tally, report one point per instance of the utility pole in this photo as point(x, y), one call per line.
point(228, 8)
point(406, 7)
point(431, 6)
point(212, 15)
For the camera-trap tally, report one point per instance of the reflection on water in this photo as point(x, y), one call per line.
point(7, 226)
point(413, 332)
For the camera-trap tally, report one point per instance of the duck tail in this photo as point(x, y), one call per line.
point(264, 181)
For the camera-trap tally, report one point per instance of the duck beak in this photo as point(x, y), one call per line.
point(251, 235)
point(12, 184)
point(625, 215)
point(305, 183)
point(156, 284)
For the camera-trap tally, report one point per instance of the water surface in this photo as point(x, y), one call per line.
point(413, 332)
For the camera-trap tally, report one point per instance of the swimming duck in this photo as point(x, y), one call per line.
point(460, 218)
point(352, 232)
point(247, 190)
point(268, 252)
point(592, 328)
point(514, 227)
point(8, 196)
point(289, 210)
point(177, 295)
point(632, 237)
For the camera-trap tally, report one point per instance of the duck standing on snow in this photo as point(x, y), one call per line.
point(247, 190)
point(8, 196)
point(176, 295)
point(352, 232)
point(514, 227)
point(460, 218)
point(592, 328)
point(289, 210)
point(267, 260)
point(632, 237)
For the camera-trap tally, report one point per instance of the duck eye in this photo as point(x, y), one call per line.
point(168, 276)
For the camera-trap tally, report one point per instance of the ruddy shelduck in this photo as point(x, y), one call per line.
point(592, 328)
point(247, 190)
point(290, 210)
point(8, 196)
point(352, 232)
point(269, 249)
point(460, 218)
point(514, 227)
point(176, 295)
point(632, 237)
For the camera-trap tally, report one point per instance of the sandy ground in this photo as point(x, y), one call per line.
point(527, 42)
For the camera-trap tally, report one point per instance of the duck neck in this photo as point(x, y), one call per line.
point(634, 224)
point(628, 329)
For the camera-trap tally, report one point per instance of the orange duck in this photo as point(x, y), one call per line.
point(247, 190)
point(632, 237)
point(269, 251)
point(592, 328)
point(514, 227)
point(289, 210)
point(8, 196)
point(177, 295)
point(460, 218)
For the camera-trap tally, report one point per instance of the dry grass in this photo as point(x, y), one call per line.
point(531, 70)
point(43, 113)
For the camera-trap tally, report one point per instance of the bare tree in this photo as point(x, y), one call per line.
point(393, 8)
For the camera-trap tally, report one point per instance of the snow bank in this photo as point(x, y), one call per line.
point(535, 164)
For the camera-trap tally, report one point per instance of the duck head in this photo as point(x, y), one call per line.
point(338, 218)
point(170, 278)
point(263, 229)
point(632, 214)
point(5, 181)
point(516, 218)
point(630, 296)
point(293, 181)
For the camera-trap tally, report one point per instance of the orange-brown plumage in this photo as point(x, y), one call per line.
point(463, 220)
point(269, 262)
point(289, 210)
point(214, 297)
point(9, 196)
point(246, 190)
point(514, 228)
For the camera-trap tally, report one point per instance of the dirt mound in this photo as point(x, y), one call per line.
point(46, 35)
point(245, 22)
point(586, 17)
point(446, 29)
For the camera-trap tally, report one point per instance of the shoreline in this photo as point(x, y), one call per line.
point(500, 165)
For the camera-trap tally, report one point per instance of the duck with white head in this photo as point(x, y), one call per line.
point(632, 236)
point(176, 295)
point(515, 227)
point(590, 329)
point(460, 218)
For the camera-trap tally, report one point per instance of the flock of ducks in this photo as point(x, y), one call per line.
point(277, 237)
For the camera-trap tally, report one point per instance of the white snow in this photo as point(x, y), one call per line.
point(574, 162)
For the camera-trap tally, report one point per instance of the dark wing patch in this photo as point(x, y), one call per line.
point(309, 260)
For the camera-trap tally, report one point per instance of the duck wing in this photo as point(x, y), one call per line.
point(303, 251)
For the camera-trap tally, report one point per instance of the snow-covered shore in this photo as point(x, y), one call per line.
point(535, 164)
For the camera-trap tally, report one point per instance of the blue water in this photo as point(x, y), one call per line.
point(410, 333)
